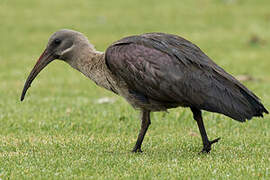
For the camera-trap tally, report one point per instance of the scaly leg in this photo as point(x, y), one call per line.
point(197, 115)
point(144, 126)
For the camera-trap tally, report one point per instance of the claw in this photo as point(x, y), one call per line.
point(207, 147)
point(215, 140)
point(137, 150)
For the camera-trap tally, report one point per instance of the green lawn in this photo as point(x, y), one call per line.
point(61, 132)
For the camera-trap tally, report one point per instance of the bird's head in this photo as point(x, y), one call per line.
point(63, 45)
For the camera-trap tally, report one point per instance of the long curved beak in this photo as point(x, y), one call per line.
point(45, 58)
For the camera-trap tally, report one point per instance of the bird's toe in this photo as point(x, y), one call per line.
point(207, 146)
point(137, 150)
point(206, 149)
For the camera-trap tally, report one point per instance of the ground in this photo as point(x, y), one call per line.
point(63, 130)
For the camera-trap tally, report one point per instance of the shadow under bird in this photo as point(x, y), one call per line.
point(155, 72)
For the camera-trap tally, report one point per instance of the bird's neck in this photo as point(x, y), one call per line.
point(92, 64)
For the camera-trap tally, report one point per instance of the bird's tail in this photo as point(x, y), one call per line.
point(237, 102)
point(257, 107)
point(241, 103)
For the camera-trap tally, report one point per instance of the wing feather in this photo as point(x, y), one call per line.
point(168, 68)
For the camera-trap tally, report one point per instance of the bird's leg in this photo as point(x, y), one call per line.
point(197, 115)
point(144, 126)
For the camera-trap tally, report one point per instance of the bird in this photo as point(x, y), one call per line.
point(155, 72)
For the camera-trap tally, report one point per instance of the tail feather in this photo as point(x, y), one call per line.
point(255, 104)
point(236, 102)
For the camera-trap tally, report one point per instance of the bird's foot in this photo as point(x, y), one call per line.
point(136, 150)
point(207, 146)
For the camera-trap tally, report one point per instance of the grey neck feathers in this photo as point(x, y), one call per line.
point(92, 64)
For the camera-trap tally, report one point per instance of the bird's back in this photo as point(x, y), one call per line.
point(170, 69)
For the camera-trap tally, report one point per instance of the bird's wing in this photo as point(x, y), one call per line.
point(168, 68)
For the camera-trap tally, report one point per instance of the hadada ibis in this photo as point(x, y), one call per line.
point(155, 72)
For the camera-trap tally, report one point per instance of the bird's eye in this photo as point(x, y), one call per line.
point(57, 41)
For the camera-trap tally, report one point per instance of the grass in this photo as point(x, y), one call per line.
point(61, 132)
